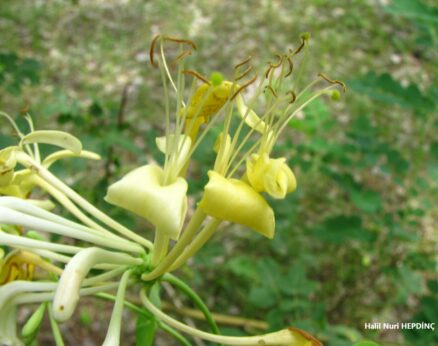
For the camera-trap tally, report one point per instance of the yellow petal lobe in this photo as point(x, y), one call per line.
point(235, 201)
point(141, 191)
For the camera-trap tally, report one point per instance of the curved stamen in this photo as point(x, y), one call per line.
point(197, 75)
point(333, 81)
point(180, 40)
point(248, 70)
point(291, 66)
point(247, 60)
point(152, 51)
point(271, 89)
point(244, 86)
point(293, 96)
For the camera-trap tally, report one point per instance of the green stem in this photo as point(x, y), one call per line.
point(187, 290)
point(55, 328)
point(144, 312)
point(285, 337)
point(187, 236)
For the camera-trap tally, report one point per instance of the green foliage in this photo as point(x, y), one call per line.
point(145, 329)
point(16, 71)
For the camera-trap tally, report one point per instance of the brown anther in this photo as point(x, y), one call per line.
point(268, 71)
point(152, 50)
point(244, 86)
point(248, 70)
point(291, 66)
point(333, 81)
point(278, 64)
point(293, 96)
point(247, 60)
point(180, 40)
point(197, 75)
point(303, 43)
point(271, 89)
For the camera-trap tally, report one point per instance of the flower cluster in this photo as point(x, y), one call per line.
point(105, 255)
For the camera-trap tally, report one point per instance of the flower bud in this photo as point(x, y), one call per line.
point(272, 176)
point(33, 324)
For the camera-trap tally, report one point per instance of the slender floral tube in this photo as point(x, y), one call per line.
point(113, 335)
point(67, 294)
point(8, 325)
point(27, 161)
point(26, 243)
point(103, 277)
point(285, 337)
point(62, 154)
point(10, 290)
point(29, 298)
point(13, 217)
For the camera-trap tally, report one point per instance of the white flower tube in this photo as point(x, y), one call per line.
point(13, 217)
point(113, 335)
point(14, 288)
point(26, 207)
point(67, 294)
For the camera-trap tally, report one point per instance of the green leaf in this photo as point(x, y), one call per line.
point(243, 266)
point(262, 297)
point(384, 88)
point(367, 201)
point(145, 329)
point(413, 9)
point(296, 282)
point(343, 228)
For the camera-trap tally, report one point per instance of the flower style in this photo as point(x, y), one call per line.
point(104, 254)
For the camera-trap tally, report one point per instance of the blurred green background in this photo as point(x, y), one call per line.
point(357, 242)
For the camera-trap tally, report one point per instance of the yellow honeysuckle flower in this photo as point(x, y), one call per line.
point(16, 266)
point(208, 99)
point(20, 186)
point(270, 175)
point(142, 191)
point(236, 201)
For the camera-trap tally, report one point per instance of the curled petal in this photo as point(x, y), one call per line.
point(250, 117)
point(236, 201)
point(61, 154)
point(270, 175)
point(58, 138)
point(142, 192)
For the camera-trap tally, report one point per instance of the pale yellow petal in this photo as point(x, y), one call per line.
point(141, 191)
point(236, 201)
